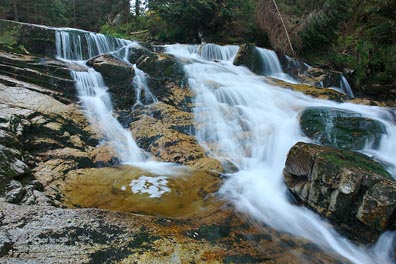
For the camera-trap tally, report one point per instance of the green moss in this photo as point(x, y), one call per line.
point(354, 160)
point(340, 128)
point(9, 33)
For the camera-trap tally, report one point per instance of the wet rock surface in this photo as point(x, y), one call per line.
point(322, 93)
point(182, 193)
point(118, 76)
point(341, 128)
point(351, 190)
point(249, 57)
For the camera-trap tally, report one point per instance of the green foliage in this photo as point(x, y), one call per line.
point(322, 28)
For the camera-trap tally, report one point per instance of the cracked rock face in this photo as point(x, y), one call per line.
point(45, 234)
point(349, 189)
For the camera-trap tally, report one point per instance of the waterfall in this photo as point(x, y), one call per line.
point(272, 66)
point(97, 104)
point(209, 52)
point(76, 46)
point(253, 124)
point(345, 87)
point(72, 44)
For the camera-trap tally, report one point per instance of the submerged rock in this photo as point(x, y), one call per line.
point(184, 192)
point(341, 128)
point(351, 190)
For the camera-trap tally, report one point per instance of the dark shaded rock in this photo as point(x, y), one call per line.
point(118, 76)
point(292, 66)
point(11, 165)
point(15, 196)
point(5, 243)
point(341, 128)
point(249, 57)
point(381, 92)
point(137, 54)
point(350, 189)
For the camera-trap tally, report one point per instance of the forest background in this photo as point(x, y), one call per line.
point(357, 37)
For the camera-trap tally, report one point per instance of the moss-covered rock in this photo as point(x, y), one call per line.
point(350, 189)
point(340, 128)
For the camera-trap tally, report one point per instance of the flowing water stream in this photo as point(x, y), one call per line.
point(254, 125)
point(244, 120)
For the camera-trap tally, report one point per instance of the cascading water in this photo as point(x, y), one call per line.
point(76, 46)
point(97, 104)
point(254, 125)
point(345, 87)
point(271, 65)
point(140, 84)
point(73, 44)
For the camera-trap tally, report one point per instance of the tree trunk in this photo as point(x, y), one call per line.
point(137, 7)
point(15, 7)
point(74, 13)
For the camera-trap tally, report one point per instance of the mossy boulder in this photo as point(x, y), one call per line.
point(118, 76)
point(351, 190)
point(27, 38)
point(249, 57)
point(341, 128)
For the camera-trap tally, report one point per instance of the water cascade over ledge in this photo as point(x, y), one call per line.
point(253, 124)
point(76, 47)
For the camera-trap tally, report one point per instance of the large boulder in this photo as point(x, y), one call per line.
point(249, 57)
point(118, 76)
point(165, 77)
point(341, 128)
point(351, 190)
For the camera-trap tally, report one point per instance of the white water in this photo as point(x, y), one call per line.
point(272, 66)
point(254, 125)
point(140, 85)
point(97, 104)
point(344, 85)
